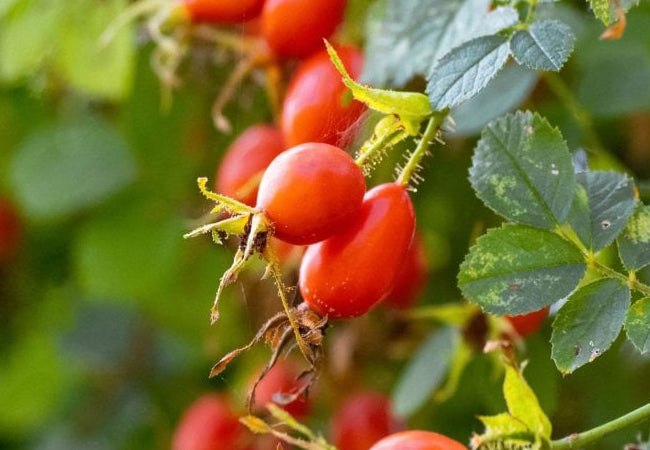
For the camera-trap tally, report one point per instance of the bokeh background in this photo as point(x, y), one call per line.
point(104, 308)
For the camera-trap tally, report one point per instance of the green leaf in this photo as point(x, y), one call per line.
point(600, 9)
point(28, 34)
point(411, 107)
point(102, 71)
point(637, 325)
point(503, 94)
point(425, 372)
point(408, 37)
point(464, 71)
point(516, 269)
point(634, 243)
point(546, 45)
point(34, 379)
point(502, 425)
point(588, 324)
point(128, 254)
point(63, 169)
point(603, 203)
point(523, 404)
point(522, 170)
point(605, 10)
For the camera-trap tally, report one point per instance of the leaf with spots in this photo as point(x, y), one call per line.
point(603, 203)
point(634, 243)
point(522, 170)
point(589, 323)
point(546, 45)
point(517, 269)
point(408, 37)
point(637, 325)
point(466, 70)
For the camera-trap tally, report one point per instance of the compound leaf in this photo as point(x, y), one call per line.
point(589, 323)
point(466, 70)
point(546, 45)
point(634, 243)
point(637, 325)
point(522, 170)
point(517, 269)
point(603, 203)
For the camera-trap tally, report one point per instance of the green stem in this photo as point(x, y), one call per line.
point(631, 282)
point(377, 147)
point(579, 440)
point(416, 157)
point(581, 116)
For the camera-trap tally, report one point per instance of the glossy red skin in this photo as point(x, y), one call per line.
point(296, 28)
point(222, 11)
point(10, 230)
point(282, 379)
point(362, 420)
point(527, 324)
point(417, 440)
point(248, 157)
point(349, 273)
point(208, 424)
point(412, 277)
point(317, 106)
point(310, 192)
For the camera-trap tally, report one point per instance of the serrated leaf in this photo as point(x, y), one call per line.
point(634, 242)
point(522, 170)
point(503, 94)
point(588, 324)
point(408, 37)
point(637, 325)
point(502, 425)
point(523, 404)
point(464, 71)
point(255, 424)
point(425, 371)
point(603, 203)
point(601, 9)
point(411, 107)
point(63, 169)
point(546, 45)
point(517, 269)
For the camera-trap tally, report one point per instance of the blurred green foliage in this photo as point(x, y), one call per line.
point(104, 324)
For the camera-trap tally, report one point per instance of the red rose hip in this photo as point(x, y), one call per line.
point(296, 28)
point(208, 424)
point(310, 192)
point(412, 276)
point(349, 273)
point(222, 11)
point(527, 324)
point(318, 107)
point(246, 160)
point(418, 440)
point(363, 419)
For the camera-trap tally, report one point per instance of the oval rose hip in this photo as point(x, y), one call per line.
point(245, 160)
point(222, 11)
point(317, 107)
point(352, 271)
point(418, 440)
point(296, 28)
point(208, 424)
point(363, 419)
point(527, 324)
point(282, 379)
point(310, 192)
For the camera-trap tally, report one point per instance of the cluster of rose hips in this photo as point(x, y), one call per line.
point(284, 187)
